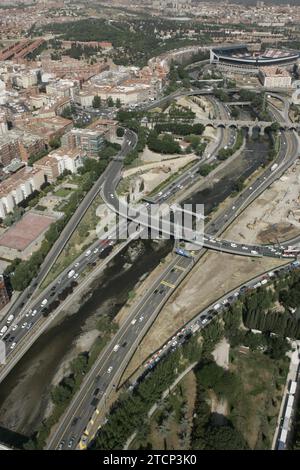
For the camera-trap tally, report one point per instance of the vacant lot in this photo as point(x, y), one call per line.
point(26, 231)
point(255, 412)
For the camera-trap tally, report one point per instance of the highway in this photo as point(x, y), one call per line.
point(80, 418)
point(131, 333)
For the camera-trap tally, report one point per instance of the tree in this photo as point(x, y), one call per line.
point(55, 142)
point(110, 102)
point(96, 102)
point(224, 438)
point(120, 132)
point(118, 103)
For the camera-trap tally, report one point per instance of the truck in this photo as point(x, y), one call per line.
point(181, 252)
point(71, 273)
point(3, 330)
point(10, 319)
point(273, 167)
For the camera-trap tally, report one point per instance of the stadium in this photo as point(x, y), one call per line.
point(238, 58)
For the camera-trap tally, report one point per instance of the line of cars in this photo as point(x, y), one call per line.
point(207, 316)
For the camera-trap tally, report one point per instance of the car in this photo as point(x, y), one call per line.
point(234, 245)
point(61, 445)
point(24, 324)
point(141, 318)
point(88, 252)
point(75, 276)
point(254, 252)
point(116, 347)
point(34, 312)
point(71, 442)
point(44, 302)
point(96, 250)
point(29, 325)
point(15, 327)
point(245, 248)
point(10, 319)
point(27, 314)
point(13, 345)
point(133, 321)
point(109, 369)
point(76, 264)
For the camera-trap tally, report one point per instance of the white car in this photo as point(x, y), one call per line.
point(233, 245)
point(117, 346)
point(34, 313)
point(14, 327)
point(76, 265)
point(88, 253)
point(13, 345)
point(96, 250)
point(133, 321)
point(141, 319)
point(244, 248)
point(44, 302)
point(109, 370)
point(75, 276)
point(24, 324)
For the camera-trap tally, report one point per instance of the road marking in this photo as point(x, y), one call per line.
point(168, 284)
point(179, 267)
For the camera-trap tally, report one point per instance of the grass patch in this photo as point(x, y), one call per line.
point(63, 192)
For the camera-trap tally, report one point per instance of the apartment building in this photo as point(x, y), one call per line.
point(56, 162)
point(18, 144)
point(47, 127)
point(88, 140)
point(275, 77)
point(18, 187)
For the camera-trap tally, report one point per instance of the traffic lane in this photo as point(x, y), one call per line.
point(142, 315)
point(52, 295)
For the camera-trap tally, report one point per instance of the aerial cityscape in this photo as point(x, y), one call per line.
point(149, 227)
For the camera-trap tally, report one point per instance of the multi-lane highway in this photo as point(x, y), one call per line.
point(81, 417)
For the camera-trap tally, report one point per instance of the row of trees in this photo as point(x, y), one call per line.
point(179, 128)
point(130, 412)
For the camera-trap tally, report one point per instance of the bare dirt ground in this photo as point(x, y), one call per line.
point(205, 283)
point(221, 354)
point(275, 215)
point(203, 108)
point(152, 175)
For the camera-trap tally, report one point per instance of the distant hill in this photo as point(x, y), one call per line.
point(253, 2)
